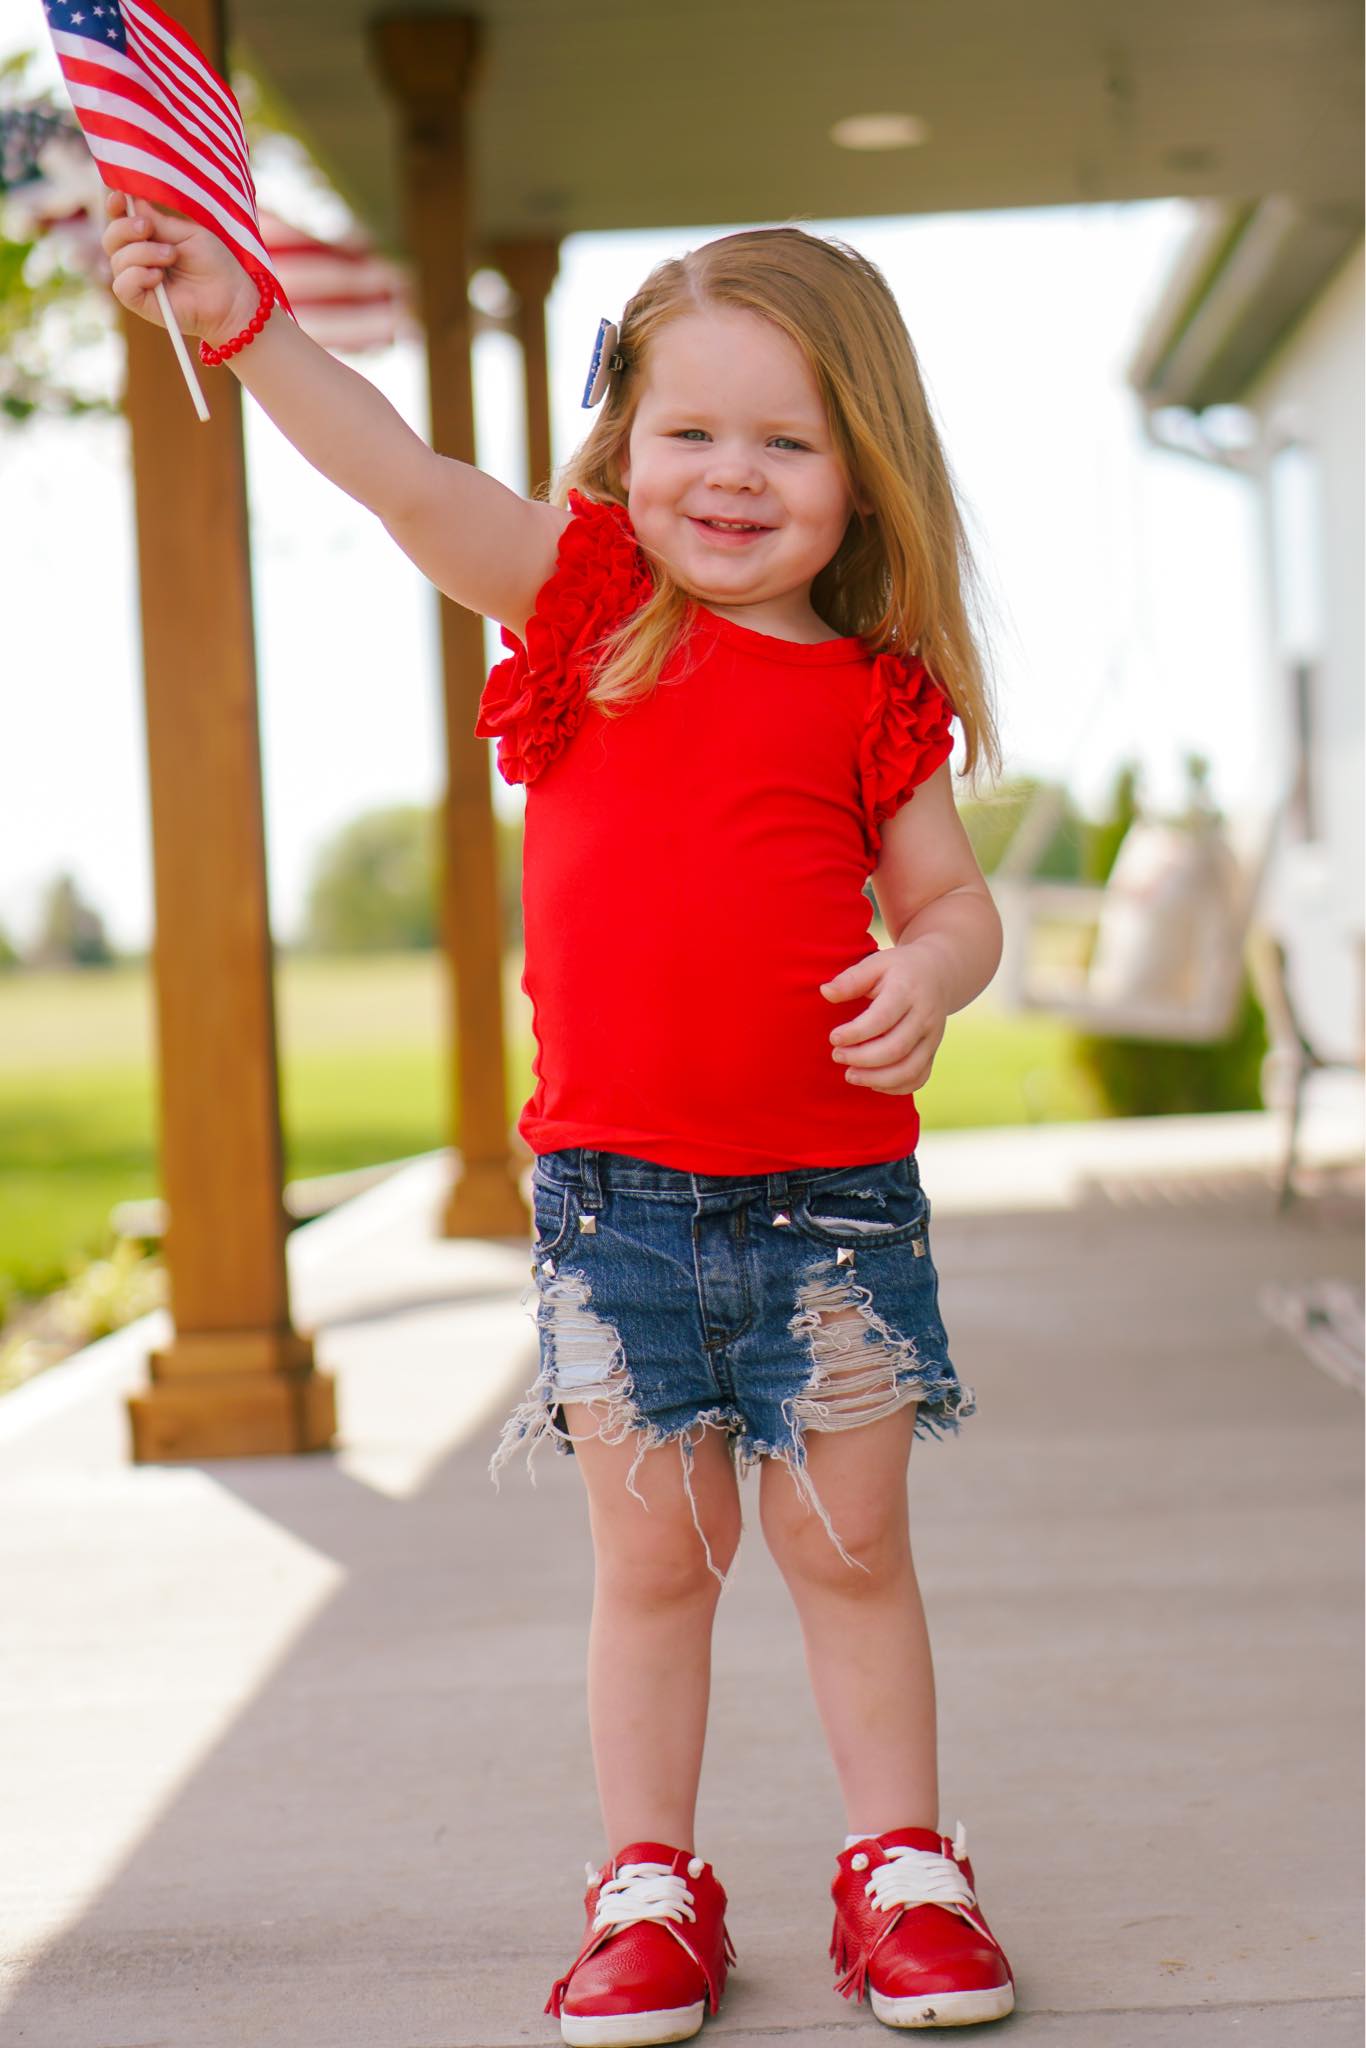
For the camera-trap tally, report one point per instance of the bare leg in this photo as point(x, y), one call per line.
point(649, 1645)
point(867, 1645)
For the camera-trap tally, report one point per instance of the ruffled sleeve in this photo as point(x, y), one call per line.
point(534, 701)
point(905, 738)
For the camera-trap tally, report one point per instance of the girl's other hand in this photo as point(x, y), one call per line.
point(891, 1047)
point(210, 293)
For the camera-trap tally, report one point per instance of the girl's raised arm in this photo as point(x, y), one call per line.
point(480, 543)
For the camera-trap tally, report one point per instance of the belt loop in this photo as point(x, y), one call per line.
point(778, 1196)
point(591, 1175)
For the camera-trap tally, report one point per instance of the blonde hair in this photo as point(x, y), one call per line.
point(901, 576)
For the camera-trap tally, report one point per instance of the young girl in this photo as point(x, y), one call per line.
point(738, 640)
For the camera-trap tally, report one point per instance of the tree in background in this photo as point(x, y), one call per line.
point(373, 888)
point(374, 885)
point(1103, 837)
point(991, 823)
point(71, 931)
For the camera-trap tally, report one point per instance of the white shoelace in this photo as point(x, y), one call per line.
point(642, 1891)
point(918, 1877)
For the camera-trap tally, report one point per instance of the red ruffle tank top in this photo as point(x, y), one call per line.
point(694, 869)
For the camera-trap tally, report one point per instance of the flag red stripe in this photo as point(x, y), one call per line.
point(146, 185)
point(113, 130)
point(320, 300)
point(196, 111)
point(121, 68)
point(147, 13)
point(123, 167)
point(335, 252)
point(169, 74)
point(98, 78)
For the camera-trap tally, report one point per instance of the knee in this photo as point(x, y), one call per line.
point(873, 1533)
point(654, 1561)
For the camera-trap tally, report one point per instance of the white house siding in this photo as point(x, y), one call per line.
point(1309, 398)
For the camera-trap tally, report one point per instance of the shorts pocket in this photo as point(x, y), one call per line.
point(865, 1206)
point(554, 1208)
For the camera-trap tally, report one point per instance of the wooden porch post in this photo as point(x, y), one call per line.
point(428, 62)
point(530, 268)
point(236, 1379)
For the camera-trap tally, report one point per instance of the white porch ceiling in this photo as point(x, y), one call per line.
point(609, 114)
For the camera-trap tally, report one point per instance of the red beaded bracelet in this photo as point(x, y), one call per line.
point(269, 291)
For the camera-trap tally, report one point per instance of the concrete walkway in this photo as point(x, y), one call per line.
point(293, 1753)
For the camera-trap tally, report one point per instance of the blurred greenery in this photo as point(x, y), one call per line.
point(71, 931)
point(1155, 1077)
point(373, 886)
point(1104, 836)
point(48, 314)
point(991, 822)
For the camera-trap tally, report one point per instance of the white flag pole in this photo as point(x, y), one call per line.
point(177, 340)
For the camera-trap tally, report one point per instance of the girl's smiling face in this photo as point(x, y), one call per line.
point(730, 427)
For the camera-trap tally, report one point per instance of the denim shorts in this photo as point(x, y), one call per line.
point(763, 1305)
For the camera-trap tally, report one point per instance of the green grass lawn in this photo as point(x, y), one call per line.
point(362, 1077)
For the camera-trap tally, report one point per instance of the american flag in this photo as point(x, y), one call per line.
point(161, 124)
point(344, 292)
point(346, 295)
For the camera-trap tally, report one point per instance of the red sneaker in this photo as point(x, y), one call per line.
point(908, 1928)
point(655, 1956)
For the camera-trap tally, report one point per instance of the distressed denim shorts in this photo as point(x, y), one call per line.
point(760, 1304)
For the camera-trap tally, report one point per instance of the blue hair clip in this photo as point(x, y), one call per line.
point(606, 358)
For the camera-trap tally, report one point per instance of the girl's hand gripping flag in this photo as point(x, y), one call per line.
point(163, 127)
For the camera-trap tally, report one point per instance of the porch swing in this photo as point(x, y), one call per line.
point(1171, 925)
point(1177, 931)
point(1168, 953)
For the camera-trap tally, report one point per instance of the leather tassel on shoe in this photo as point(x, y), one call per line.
point(655, 1954)
point(909, 1932)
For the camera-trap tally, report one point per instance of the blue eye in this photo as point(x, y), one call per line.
point(682, 433)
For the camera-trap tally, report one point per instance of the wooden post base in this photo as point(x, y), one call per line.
point(486, 1202)
point(233, 1395)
